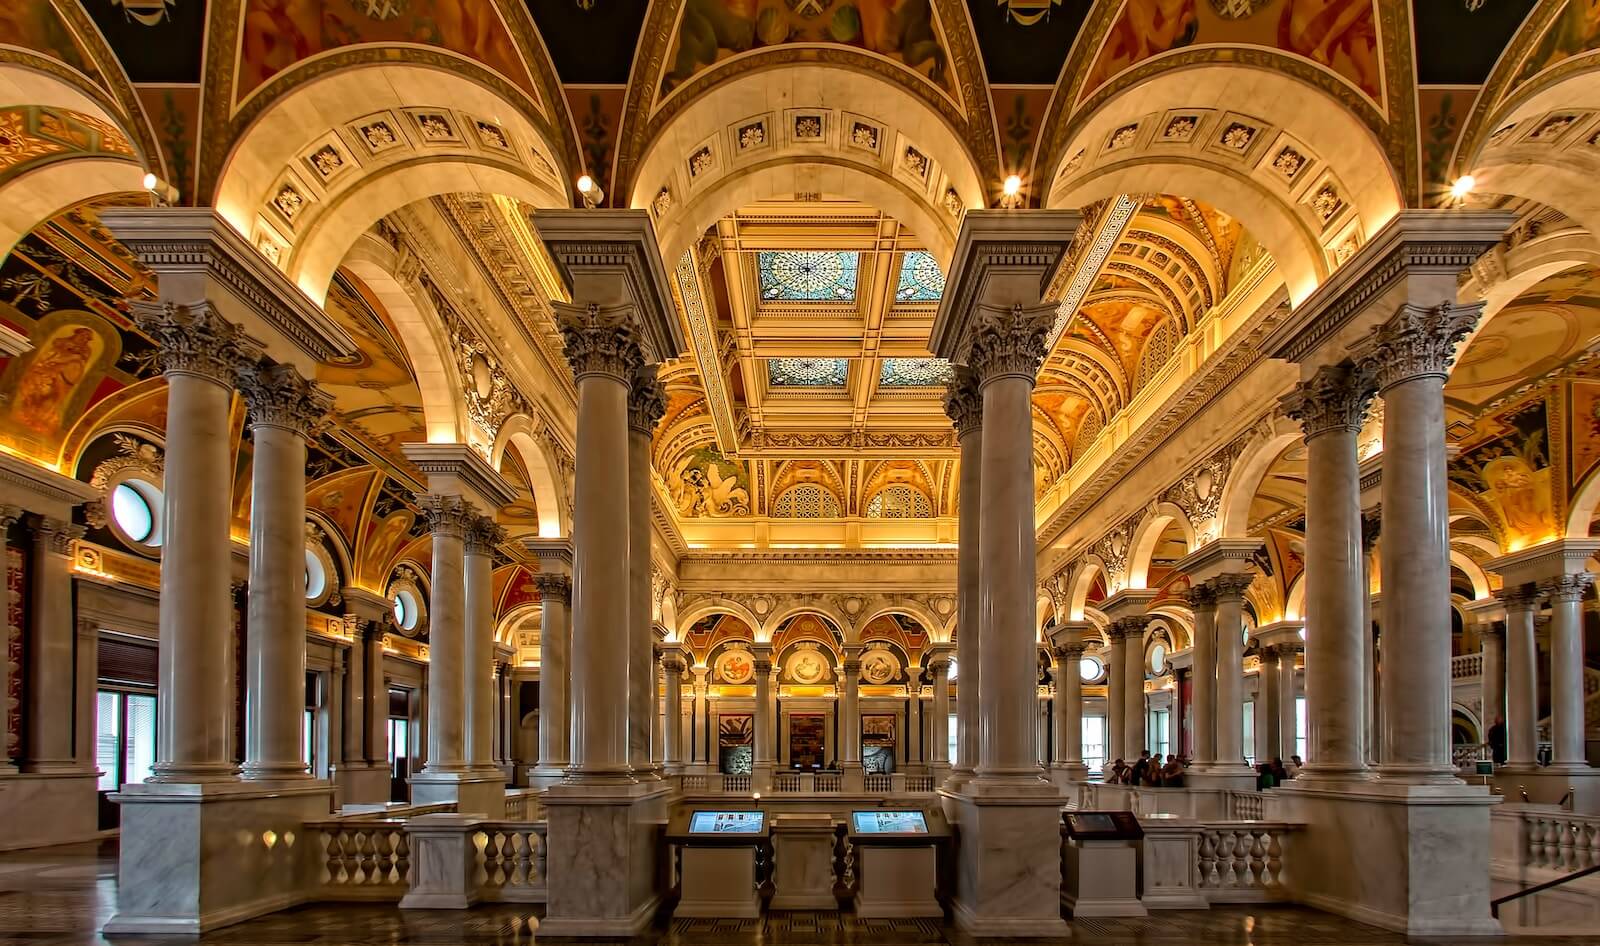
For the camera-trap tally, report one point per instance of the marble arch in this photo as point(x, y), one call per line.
point(850, 632)
point(1474, 573)
point(1249, 470)
point(518, 432)
point(692, 614)
point(1143, 544)
point(784, 166)
point(1091, 162)
point(931, 625)
point(512, 619)
point(1082, 582)
point(392, 167)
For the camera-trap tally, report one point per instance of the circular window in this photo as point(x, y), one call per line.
point(405, 610)
point(136, 510)
point(1158, 658)
point(1090, 669)
point(316, 577)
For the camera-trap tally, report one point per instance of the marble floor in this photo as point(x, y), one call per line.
point(61, 896)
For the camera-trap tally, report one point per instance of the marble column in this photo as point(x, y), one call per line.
point(965, 407)
point(1203, 602)
point(1269, 696)
point(647, 402)
point(1371, 529)
point(699, 731)
point(1330, 406)
point(914, 750)
point(1492, 644)
point(284, 410)
point(1229, 591)
point(354, 706)
point(9, 515)
point(604, 355)
point(1522, 678)
point(1288, 717)
point(449, 519)
point(850, 715)
point(1411, 355)
point(200, 353)
point(939, 732)
point(483, 536)
point(673, 666)
point(1135, 716)
point(555, 644)
point(48, 712)
point(1565, 594)
point(1116, 700)
point(762, 774)
point(377, 716)
point(1068, 754)
point(1007, 349)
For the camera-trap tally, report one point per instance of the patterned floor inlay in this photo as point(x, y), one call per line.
point(63, 896)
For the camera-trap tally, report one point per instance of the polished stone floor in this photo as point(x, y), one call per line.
point(61, 896)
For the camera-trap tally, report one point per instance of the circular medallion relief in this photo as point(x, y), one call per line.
point(735, 666)
point(879, 667)
point(807, 667)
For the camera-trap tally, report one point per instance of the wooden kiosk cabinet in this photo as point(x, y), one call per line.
point(718, 850)
point(897, 862)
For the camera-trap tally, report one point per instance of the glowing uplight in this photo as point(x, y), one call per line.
point(585, 184)
point(150, 181)
point(1012, 186)
point(1462, 186)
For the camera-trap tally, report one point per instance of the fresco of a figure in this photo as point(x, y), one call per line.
point(280, 33)
point(35, 25)
point(709, 484)
point(1509, 471)
point(712, 30)
point(53, 384)
point(1575, 30)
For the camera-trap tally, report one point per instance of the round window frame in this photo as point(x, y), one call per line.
point(154, 499)
point(1098, 662)
point(330, 574)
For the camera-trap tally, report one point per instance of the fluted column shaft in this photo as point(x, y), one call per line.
point(1411, 356)
point(965, 407)
point(1068, 749)
point(604, 355)
point(1007, 349)
point(1565, 594)
point(449, 518)
point(1229, 591)
point(646, 403)
point(1522, 678)
point(939, 732)
point(1331, 406)
point(52, 632)
point(200, 354)
point(284, 408)
point(555, 644)
point(1116, 701)
point(482, 700)
point(673, 665)
point(353, 732)
point(1203, 711)
point(1492, 644)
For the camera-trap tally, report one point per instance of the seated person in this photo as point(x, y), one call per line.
point(1172, 773)
point(1118, 773)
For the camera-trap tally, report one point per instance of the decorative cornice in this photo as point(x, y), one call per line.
point(1002, 258)
point(599, 341)
point(1334, 399)
point(195, 340)
point(864, 556)
point(48, 485)
point(184, 241)
point(552, 553)
point(280, 396)
point(55, 535)
point(455, 467)
point(1547, 560)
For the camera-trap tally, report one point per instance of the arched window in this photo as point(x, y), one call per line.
point(806, 501)
point(900, 502)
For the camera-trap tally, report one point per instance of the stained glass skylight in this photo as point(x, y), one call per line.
point(920, 278)
point(807, 372)
point(807, 275)
point(914, 372)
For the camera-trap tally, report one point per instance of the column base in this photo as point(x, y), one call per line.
point(1409, 858)
point(362, 783)
point(474, 793)
point(615, 832)
point(544, 776)
point(38, 809)
point(1067, 776)
point(197, 857)
point(1008, 873)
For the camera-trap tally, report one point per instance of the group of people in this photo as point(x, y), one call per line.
point(1269, 774)
point(1148, 771)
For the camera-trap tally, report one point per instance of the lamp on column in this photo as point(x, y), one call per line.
point(591, 193)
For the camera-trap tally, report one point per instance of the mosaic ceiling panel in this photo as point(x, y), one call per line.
point(808, 275)
point(914, 372)
point(807, 372)
point(921, 279)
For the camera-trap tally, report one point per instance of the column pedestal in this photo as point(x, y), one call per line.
point(1008, 880)
point(614, 833)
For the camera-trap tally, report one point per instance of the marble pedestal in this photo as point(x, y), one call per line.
point(1102, 878)
point(474, 793)
point(1008, 874)
point(362, 784)
point(542, 777)
point(606, 845)
point(444, 864)
point(718, 882)
point(852, 778)
point(195, 857)
point(1409, 858)
point(38, 809)
point(1171, 868)
point(803, 862)
point(897, 881)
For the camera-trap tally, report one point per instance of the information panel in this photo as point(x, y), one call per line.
point(727, 822)
point(889, 822)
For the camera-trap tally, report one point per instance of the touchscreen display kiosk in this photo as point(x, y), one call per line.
point(889, 822)
point(727, 822)
point(1103, 826)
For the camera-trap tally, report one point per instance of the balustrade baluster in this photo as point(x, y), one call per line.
point(1208, 860)
point(1274, 857)
point(541, 855)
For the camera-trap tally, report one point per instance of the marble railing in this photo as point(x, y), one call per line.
point(804, 783)
point(1536, 844)
point(879, 783)
point(1192, 803)
point(1468, 754)
point(361, 859)
point(394, 810)
point(1559, 840)
point(1246, 806)
point(522, 804)
point(1191, 864)
point(1466, 665)
point(736, 783)
point(511, 861)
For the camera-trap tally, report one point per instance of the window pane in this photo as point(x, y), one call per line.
point(108, 739)
point(141, 737)
point(955, 736)
point(308, 739)
point(132, 512)
point(1300, 726)
point(1249, 732)
point(1094, 742)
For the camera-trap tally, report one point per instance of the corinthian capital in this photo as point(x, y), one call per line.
point(1010, 343)
point(1333, 399)
point(484, 535)
point(647, 400)
point(552, 585)
point(1566, 588)
point(55, 535)
point(195, 340)
point(963, 402)
point(1420, 342)
point(279, 396)
point(599, 341)
point(447, 515)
